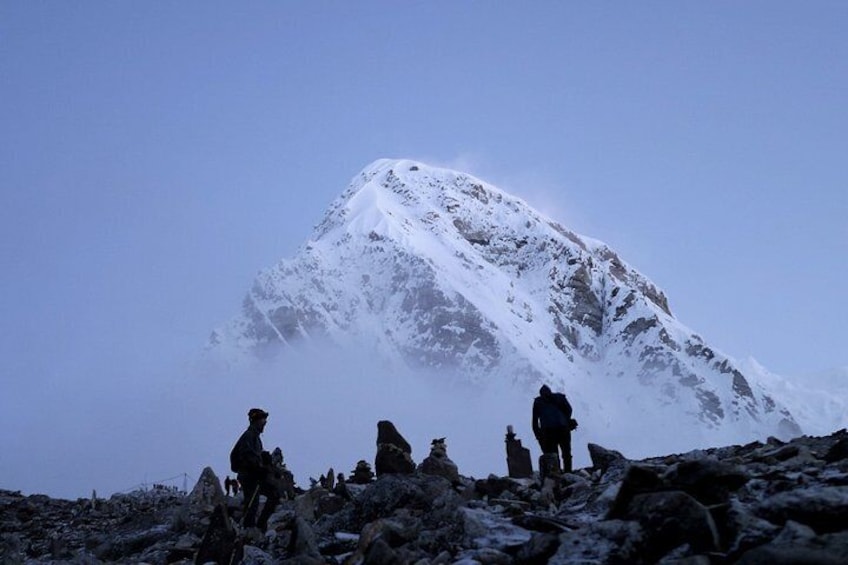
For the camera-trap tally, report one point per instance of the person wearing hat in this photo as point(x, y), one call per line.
point(253, 465)
point(552, 425)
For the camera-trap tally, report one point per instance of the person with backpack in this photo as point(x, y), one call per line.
point(553, 424)
point(254, 471)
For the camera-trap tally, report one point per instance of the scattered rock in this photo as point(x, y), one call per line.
point(774, 503)
point(672, 519)
point(825, 509)
point(603, 459)
point(837, 451)
point(549, 466)
point(220, 544)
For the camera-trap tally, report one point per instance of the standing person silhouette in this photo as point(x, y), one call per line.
point(255, 472)
point(552, 424)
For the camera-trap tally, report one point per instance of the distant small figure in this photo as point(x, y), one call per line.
point(553, 424)
point(284, 477)
point(341, 487)
point(277, 459)
point(255, 471)
point(328, 481)
point(228, 485)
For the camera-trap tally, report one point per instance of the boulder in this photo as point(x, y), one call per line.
point(416, 493)
point(549, 466)
point(838, 451)
point(710, 481)
point(671, 519)
point(637, 480)
point(303, 541)
point(207, 492)
point(603, 459)
point(220, 543)
point(798, 544)
point(825, 509)
point(254, 556)
point(607, 541)
point(394, 454)
point(539, 549)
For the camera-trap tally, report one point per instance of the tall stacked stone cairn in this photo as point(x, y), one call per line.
point(394, 454)
point(518, 462)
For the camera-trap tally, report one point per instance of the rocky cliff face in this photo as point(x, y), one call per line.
point(435, 268)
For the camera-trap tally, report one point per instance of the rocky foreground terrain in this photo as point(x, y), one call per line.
point(773, 502)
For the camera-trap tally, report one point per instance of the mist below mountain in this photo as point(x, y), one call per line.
point(434, 300)
point(439, 274)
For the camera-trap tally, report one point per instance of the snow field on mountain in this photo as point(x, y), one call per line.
point(459, 285)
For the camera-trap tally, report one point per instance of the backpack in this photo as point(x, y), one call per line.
point(235, 462)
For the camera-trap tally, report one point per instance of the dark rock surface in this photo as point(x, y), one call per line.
point(394, 454)
point(762, 503)
point(518, 460)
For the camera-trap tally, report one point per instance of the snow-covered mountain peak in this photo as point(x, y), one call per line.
point(436, 268)
point(394, 197)
point(434, 210)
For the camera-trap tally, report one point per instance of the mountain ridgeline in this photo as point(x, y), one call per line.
point(437, 269)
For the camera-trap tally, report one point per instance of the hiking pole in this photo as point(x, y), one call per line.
point(249, 504)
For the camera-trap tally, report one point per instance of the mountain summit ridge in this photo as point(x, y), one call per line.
point(438, 269)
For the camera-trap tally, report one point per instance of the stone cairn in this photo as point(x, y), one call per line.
point(518, 462)
point(394, 454)
point(362, 474)
point(438, 463)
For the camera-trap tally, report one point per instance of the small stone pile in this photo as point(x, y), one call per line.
point(438, 463)
point(762, 503)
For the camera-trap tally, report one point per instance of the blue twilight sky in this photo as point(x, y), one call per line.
point(155, 155)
